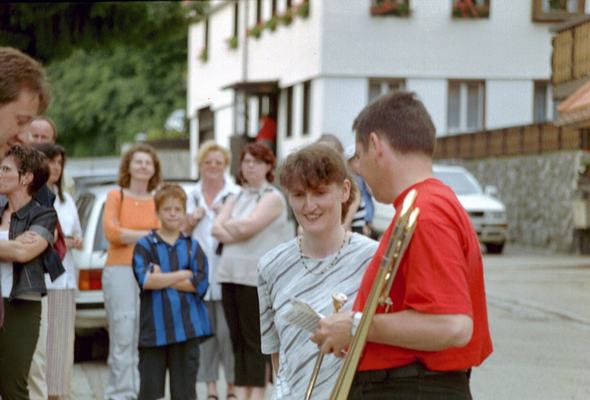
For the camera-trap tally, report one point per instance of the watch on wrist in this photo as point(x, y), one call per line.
point(356, 320)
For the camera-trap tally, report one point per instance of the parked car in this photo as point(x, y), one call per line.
point(487, 213)
point(90, 260)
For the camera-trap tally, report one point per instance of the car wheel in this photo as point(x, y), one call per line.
point(494, 248)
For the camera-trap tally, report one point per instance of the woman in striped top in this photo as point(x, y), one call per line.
point(325, 259)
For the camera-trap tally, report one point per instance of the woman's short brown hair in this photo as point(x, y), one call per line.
point(209, 146)
point(125, 177)
point(314, 166)
point(28, 159)
point(167, 191)
point(260, 152)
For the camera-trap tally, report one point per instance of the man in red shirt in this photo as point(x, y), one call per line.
point(437, 329)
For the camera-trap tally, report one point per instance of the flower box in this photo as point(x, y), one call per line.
point(204, 55)
point(256, 30)
point(232, 42)
point(390, 7)
point(471, 9)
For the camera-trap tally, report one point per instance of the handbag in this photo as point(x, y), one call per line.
point(60, 242)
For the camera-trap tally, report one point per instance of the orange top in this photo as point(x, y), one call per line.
point(133, 213)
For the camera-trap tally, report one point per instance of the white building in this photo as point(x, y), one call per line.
point(319, 71)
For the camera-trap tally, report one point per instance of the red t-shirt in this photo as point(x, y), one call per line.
point(441, 273)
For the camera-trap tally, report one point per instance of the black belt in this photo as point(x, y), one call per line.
point(407, 371)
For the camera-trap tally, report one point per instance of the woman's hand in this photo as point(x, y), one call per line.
point(196, 216)
point(27, 237)
point(74, 242)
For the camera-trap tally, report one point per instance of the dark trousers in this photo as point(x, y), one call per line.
point(18, 339)
point(181, 359)
point(240, 305)
point(424, 385)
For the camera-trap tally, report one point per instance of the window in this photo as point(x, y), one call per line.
point(306, 106)
point(542, 102)
point(288, 4)
point(236, 21)
point(471, 8)
point(258, 11)
point(204, 55)
point(465, 109)
point(274, 8)
point(289, 111)
point(556, 10)
point(378, 87)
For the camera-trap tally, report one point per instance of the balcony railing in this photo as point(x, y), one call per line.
point(571, 52)
point(526, 139)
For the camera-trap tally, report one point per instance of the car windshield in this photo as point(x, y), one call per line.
point(84, 205)
point(460, 182)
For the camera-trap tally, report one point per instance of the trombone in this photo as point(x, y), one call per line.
point(380, 292)
point(338, 301)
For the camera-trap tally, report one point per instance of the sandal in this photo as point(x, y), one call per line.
point(212, 397)
point(231, 396)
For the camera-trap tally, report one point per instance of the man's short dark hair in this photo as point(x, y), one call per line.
point(18, 71)
point(400, 118)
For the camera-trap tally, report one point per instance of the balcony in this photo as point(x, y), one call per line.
point(515, 140)
point(570, 61)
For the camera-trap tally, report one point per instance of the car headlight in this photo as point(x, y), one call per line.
point(496, 214)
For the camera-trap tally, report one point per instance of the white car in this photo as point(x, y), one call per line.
point(90, 311)
point(487, 213)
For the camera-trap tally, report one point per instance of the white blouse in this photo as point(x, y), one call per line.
point(67, 215)
point(202, 232)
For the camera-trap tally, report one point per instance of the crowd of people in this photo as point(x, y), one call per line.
point(195, 281)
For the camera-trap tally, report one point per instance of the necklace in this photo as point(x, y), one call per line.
point(326, 268)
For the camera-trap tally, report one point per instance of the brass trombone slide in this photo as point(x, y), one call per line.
point(380, 291)
point(338, 301)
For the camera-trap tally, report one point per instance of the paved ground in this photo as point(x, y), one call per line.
point(540, 325)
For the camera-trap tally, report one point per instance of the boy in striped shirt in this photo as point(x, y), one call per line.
point(171, 270)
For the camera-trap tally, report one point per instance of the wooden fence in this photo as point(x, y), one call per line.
point(571, 53)
point(526, 139)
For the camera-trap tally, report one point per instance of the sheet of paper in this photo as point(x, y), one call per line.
point(303, 315)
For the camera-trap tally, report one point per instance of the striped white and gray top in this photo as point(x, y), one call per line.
point(281, 276)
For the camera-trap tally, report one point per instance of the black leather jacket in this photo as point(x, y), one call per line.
point(29, 277)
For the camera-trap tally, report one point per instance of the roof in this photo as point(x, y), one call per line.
point(575, 110)
point(255, 87)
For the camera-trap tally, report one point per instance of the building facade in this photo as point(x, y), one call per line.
point(313, 65)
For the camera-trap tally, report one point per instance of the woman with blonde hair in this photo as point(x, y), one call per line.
point(129, 214)
point(203, 204)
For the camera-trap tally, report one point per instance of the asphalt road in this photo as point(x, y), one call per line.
point(540, 322)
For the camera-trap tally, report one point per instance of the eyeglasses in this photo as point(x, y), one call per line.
point(252, 161)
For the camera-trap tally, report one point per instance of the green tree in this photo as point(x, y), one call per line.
point(105, 97)
point(115, 68)
point(52, 31)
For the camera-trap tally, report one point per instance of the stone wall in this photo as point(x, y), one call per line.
point(538, 191)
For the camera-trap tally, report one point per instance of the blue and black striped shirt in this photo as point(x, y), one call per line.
point(168, 315)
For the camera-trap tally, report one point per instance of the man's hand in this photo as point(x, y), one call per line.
point(188, 273)
point(334, 333)
point(27, 237)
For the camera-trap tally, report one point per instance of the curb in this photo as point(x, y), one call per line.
point(512, 304)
